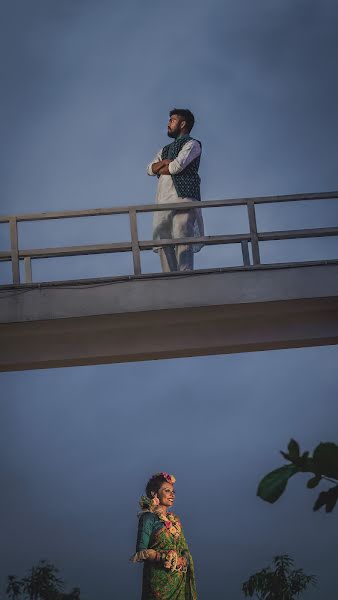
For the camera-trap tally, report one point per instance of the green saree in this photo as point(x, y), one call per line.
point(160, 583)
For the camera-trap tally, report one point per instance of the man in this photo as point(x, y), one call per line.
point(176, 166)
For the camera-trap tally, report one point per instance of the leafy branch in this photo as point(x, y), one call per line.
point(278, 583)
point(42, 583)
point(323, 465)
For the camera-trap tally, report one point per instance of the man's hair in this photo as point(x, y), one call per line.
point(186, 114)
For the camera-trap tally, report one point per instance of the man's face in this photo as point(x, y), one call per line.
point(175, 126)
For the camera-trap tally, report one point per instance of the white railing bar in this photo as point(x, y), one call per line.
point(61, 251)
point(140, 208)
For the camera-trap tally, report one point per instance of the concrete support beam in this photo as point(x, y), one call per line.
point(169, 317)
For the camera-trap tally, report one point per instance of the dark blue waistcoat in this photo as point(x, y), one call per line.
point(187, 183)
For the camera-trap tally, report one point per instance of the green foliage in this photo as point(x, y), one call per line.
point(274, 484)
point(278, 583)
point(323, 465)
point(325, 458)
point(42, 583)
point(13, 589)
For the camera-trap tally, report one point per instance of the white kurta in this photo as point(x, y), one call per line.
point(166, 192)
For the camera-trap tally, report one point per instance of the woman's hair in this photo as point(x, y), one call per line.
point(154, 484)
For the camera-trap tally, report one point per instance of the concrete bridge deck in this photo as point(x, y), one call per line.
point(146, 317)
point(168, 316)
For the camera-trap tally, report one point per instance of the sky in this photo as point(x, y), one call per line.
point(86, 88)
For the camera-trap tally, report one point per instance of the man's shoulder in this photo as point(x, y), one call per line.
point(192, 142)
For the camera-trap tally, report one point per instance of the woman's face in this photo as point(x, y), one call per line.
point(166, 494)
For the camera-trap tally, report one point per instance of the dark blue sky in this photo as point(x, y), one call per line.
point(86, 90)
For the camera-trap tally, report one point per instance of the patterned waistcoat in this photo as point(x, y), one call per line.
point(187, 183)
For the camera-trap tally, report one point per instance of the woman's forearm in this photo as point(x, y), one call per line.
point(146, 554)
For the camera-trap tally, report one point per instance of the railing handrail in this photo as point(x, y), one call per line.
point(135, 245)
point(141, 208)
point(210, 240)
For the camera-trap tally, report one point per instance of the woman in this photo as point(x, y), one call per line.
point(168, 572)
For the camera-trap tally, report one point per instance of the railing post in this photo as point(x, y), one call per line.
point(28, 269)
point(13, 226)
point(245, 253)
point(253, 232)
point(134, 242)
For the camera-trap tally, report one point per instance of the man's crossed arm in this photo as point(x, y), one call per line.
point(161, 167)
point(189, 152)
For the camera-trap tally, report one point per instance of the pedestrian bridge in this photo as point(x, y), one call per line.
point(250, 307)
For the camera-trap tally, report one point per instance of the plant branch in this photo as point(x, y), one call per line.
point(335, 481)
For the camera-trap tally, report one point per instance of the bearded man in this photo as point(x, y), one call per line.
point(176, 166)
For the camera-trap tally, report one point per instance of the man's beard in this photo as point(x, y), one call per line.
point(173, 134)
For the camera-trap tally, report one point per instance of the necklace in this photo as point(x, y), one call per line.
point(171, 523)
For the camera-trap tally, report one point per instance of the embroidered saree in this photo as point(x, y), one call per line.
point(160, 583)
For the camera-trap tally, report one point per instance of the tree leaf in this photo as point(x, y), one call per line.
point(325, 458)
point(313, 482)
point(306, 464)
point(272, 486)
point(328, 499)
point(293, 448)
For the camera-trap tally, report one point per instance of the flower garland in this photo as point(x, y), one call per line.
point(170, 561)
point(171, 522)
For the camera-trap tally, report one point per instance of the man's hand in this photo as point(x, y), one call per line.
point(158, 166)
point(164, 170)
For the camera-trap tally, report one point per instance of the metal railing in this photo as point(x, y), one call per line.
point(15, 254)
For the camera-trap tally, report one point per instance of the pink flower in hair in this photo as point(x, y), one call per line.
point(169, 478)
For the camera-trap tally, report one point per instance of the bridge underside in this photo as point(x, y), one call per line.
point(203, 313)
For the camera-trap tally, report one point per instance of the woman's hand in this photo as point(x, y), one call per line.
point(152, 554)
point(142, 555)
point(181, 562)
